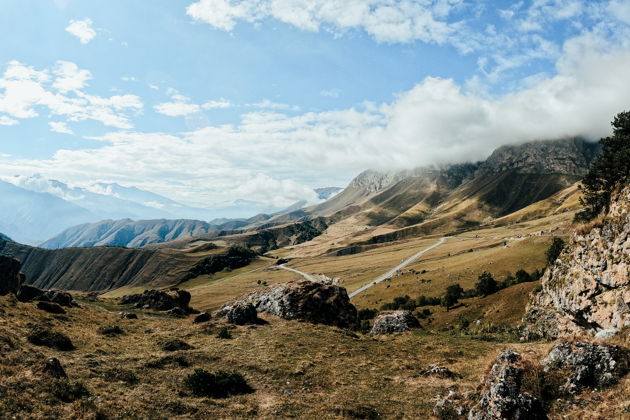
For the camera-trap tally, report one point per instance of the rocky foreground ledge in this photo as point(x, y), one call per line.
point(587, 290)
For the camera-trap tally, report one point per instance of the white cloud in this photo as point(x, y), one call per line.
point(385, 20)
point(267, 104)
point(176, 109)
point(276, 156)
point(331, 93)
point(24, 91)
point(4, 120)
point(82, 29)
point(70, 77)
point(60, 127)
point(221, 103)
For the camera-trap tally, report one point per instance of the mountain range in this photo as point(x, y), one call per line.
point(34, 209)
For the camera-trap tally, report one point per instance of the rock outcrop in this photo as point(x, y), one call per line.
point(314, 302)
point(159, 300)
point(503, 398)
point(588, 365)
point(240, 313)
point(393, 322)
point(10, 277)
point(587, 290)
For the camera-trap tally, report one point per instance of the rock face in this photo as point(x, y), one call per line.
point(240, 313)
point(392, 322)
point(10, 278)
point(159, 300)
point(314, 302)
point(587, 290)
point(589, 365)
point(503, 398)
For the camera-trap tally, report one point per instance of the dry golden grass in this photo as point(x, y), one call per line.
point(297, 369)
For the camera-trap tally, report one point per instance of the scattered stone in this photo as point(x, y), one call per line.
point(314, 302)
point(175, 345)
point(589, 365)
point(28, 293)
point(128, 315)
point(240, 313)
point(60, 297)
point(392, 322)
point(176, 312)
point(10, 277)
point(159, 300)
point(49, 307)
point(605, 334)
point(452, 406)
point(53, 368)
point(440, 371)
point(40, 336)
point(503, 398)
point(202, 317)
point(110, 330)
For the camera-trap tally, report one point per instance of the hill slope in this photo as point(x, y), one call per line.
point(128, 233)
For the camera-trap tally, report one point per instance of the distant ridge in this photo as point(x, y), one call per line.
point(128, 233)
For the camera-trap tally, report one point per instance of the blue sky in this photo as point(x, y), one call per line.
point(209, 101)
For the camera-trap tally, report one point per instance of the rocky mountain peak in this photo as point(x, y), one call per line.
point(566, 156)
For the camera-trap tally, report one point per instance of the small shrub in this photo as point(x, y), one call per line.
point(367, 313)
point(224, 333)
point(47, 338)
point(69, 391)
point(216, 385)
point(176, 344)
point(556, 247)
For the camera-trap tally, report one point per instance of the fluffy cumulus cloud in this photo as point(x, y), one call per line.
point(60, 127)
point(82, 29)
point(278, 156)
point(25, 91)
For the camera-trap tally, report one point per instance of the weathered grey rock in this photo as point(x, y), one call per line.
point(128, 315)
point(589, 365)
point(10, 278)
point(452, 406)
point(587, 290)
point(393, 322)
point(159, 300)
point(314, 302)
point(28, 293)
point(440, 371)
point(53, 368)
point(503, 398)
point(605, 334)
point(239, 313)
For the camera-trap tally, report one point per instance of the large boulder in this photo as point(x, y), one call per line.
point(10, 277)
point(587, 365)
point(393, 322)
point(29, 293)
point(160, 300)
point(503, 398)
point(314, 302)
point(239, 313)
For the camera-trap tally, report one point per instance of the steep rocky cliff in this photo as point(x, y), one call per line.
point(587, 290)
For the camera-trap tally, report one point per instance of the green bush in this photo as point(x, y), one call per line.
point(220, 384)
point(365, 314)
point(556, 247)
point(486, 285)
point(609, 170)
